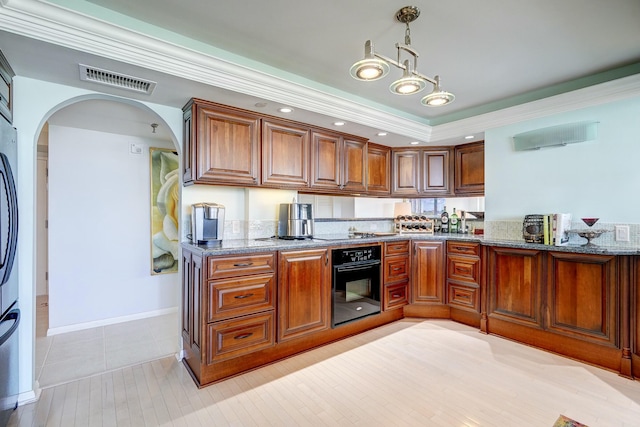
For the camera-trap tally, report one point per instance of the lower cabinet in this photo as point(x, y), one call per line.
point(397, 264)
point(463, 281)
point(635, 318)
point(563, 302)
point(428, 273)
point(304, 293)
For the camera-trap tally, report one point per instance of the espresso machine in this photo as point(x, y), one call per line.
point(295, 221)
point(207, 223)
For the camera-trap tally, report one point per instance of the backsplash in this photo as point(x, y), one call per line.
point(512, 230)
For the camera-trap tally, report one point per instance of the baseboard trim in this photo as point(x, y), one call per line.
point(110, 321)
point(30, 396)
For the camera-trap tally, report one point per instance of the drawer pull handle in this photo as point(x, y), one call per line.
point(397, 268)
point(396, 295)
point(243, 296)
point(243, 264)
point(243, 336)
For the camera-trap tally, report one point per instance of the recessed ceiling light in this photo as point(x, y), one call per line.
point(381, 134)
point(260, 104)
point(415, 142)
point(285, 110)
point(338, 123)
point(469, 137)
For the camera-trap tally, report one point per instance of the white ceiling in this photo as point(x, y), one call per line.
point(491, 54)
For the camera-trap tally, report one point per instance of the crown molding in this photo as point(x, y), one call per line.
point(63, 27)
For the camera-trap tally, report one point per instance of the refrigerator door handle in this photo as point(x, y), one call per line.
point(8, 227)
point(12, 315)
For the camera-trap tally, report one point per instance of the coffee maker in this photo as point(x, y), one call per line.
point(207, 223)
point(295, 221)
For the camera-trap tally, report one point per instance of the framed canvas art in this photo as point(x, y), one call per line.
point(164, 169)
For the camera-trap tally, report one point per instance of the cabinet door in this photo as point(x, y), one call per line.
point(582, 296)
point(188, 153)
point(514, 281)
point(285, 154)
point(326, 152)
point(354, 165)
point(469, 169)
point(406, 172)
point(428, 273)
point(437, 166)
point(226, 148)
point(378, 169)
point(635, 319)
point(304, 293)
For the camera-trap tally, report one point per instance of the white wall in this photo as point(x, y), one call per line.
point(589, 179)
point(99, 222)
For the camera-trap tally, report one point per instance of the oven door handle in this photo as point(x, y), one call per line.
point(360, 266)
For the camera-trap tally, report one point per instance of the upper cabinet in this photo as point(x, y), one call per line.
point(422, 172)
point(221, 145)
point(378, 169)
point(285, 154)
point(337, 162)
point(469, 173)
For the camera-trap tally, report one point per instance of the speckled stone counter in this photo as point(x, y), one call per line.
point(239, 246)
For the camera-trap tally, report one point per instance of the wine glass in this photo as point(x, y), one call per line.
point(589, 221)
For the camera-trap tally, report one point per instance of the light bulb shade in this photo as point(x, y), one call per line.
point(407, 85)
point(437, 98)
point(369, 69)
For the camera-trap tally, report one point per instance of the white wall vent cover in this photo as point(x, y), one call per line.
point(110, 78)
point(555, 136)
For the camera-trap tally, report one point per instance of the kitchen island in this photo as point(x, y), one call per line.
point(247, 303)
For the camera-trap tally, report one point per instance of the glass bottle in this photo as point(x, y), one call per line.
point(444, 220)
point(453, 222)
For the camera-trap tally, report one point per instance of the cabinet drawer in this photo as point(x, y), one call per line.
point(239, 336)
point(462, 268)
point(396, 269)
point(465, 297)
point(234, 266)
point(396, 295)
point(463, 248)
point(396, 248)
point(238, 296)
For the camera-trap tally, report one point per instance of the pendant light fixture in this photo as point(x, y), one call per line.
point(374, 66)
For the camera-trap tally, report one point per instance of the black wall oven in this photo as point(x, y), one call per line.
point(355, 283)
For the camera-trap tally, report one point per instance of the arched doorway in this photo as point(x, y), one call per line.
point(97, 240)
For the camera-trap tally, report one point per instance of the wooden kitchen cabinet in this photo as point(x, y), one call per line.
point(337, 163)
point(582, 297)
point(428, 277)
point(437, 176)
point(469, 169)
point(228, 308)
point(304, 293)
point(515, 286)
point(378, 169)
point(6, 88)
point(634, 298)
point(285, 154)
point(422, 172)
point(397, 266)
point(221, 145)
point(463, 280)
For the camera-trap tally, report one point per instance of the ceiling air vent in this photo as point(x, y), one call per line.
point(556, 136)
point(113, 79)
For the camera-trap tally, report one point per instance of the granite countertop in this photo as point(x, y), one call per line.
point(240, 246)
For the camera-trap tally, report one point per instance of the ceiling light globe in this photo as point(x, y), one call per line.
point(407, 86)
point(437, 99)
point(369, 69)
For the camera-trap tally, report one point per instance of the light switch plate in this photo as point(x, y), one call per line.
point(622, 233)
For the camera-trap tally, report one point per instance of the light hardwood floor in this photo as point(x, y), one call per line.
point(411, 372)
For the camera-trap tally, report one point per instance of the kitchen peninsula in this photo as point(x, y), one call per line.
point(251, 302)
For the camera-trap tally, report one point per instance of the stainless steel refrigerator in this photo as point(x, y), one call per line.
point(10, 313)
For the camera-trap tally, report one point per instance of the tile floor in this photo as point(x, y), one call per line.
point(74, 355)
